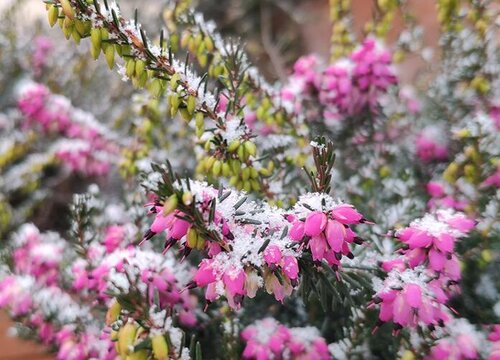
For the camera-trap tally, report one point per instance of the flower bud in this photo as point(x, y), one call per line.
point(174, 104)
point(113, 312)
point(226, 170)
point(126, 336)
point(192, 238)
point(174, 81)
point(109, 53)
point(95, 37)
point(130, 68)
point(200, 244)
point(250, 148)
point(170, 205)
point(156, 88)
point(233, 146)
point(209, 43)
point(187, 198)
point(209, 162)
point(140, 66)
point(138, 355)
point(191, 104)
point(160, 347)
point(53, 14)
point(67, 9)
point(217, 167)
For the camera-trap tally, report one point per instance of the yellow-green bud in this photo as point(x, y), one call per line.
point(170, 205)
point(130, 68)
point(76, 36)
point(226, 170)
point(247, 186)
point(250, 148)
point(200, 245)
point(187, 198)
point(191, 104)
point(160, 347)
point(156, 88)
point(126, 337)
point(139, 355)
point(140, 66)
point(192, 238)
point(233, 146)
point(67, 9)
point(264, 172)
point(209, 43)
point(53, 14)
point(109, 53)
point(255, 185)
point(254, 174)
point(95, 37)
point(174, 81)
point(113, 312)
point(245, 174)
point(242, 154)
point(209, 162)
point(185, 114)
point(235, 166)
point(233, 180)
point(174, 104)
point(217, 168)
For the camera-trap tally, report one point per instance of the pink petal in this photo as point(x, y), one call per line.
point(272, 254)
point(413, 295)
point(346, 214)
point(297, 231)
point(317, 244)
point(161, 222)
point(436, 260)
point(179, 229)
point(420, 239)
point(335, 233)
point(234, 281)
point(205, 274)
point(315, 223)
point(291, 267)
point(445, 242)
point(401, 310)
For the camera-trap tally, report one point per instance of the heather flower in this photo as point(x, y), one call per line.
point(430, 145)
point(327, 233)
point(268, 339)
point(493, 180)
point(43, 47)
point(462, 341)
point(409, 298)
point(432, 238)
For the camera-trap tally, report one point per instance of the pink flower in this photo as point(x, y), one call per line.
point(315, 223)
point(431, 145)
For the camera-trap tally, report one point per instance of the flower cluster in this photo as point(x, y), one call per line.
point(411, 298)
point(38, 255)
point(440, 198)
point(251, 245)
point(43, 47)
point(430, 146)
point(131, 268)
point(419, 282)
point(326, 231)
point(55, 318)
point(267, 339)
point(88, 147)
point(494, 338)
point(461, 341)
point(345, 87)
